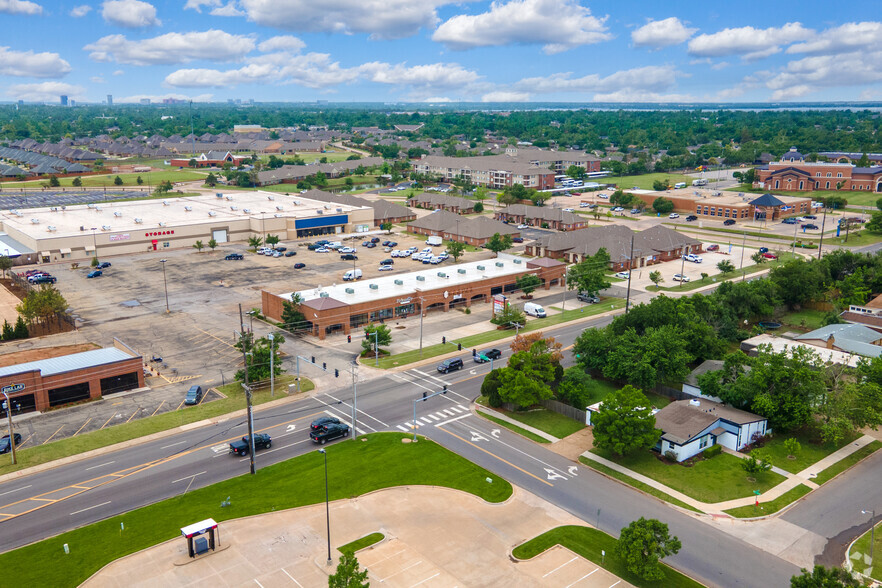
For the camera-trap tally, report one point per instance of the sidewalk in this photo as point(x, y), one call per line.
point(718, 508)
point(519, 424)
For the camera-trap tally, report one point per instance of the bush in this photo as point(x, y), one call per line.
point(712, 451)
point(670, 456)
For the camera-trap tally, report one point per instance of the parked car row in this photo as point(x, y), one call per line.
point(39, 277)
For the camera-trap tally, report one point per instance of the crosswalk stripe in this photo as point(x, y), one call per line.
point(405, 429)
point(462, 407)
point(456, 408)
point(449, 412)
point(425, 421)
point(433, 417)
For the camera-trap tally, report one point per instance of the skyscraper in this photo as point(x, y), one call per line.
point(63, 100)
point(110, 99)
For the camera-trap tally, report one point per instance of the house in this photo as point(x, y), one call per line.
point(473, 231)
point(690, 426)
point(848, 338)
point(869, 314)
point(542, 216)
point(765, 342)
point(442, 202)
point(691, 387)
point(210, 159)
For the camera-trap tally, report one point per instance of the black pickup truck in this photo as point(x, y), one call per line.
point(241, 446)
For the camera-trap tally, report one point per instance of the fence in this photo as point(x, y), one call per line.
point(565, 409)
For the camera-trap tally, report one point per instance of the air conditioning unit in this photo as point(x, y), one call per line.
point(166, 203)
point(138, 221)
point(51, 229)
point(212, 213)
point(280, 208)
point(97, 208)
point(296, 203)
point(246, 210)
point(89, 206)
point(188, 208)
point(162, 224)
point(117, 214)
point(339, 210)
point(36, 221)
point(17, 213)
point(234, 208)
point(326, 207)
point(270, 197)
point(63, 208)
point(54, 209)
point(82, 228)
point(229, 198)
point(105, 227)
point(277, 215)
point(218, 195)
point(319, 211)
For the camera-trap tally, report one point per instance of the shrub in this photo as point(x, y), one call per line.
point(792, 447)
point(670, 455)
point(712, 451)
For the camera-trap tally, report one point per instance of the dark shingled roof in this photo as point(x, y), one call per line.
point(767, 200)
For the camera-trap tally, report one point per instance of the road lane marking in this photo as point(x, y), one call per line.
point(173, 444)
point(187, 477)
point(360, 411)
point(53, 434)
point(462, 416)
point(16, 490)
point(90, 508)
point(559, 567)
point(81, 428)
point(490, 453)
point(99, 466)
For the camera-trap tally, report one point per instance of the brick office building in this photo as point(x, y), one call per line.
point(795, 174)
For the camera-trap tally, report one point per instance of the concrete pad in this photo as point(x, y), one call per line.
point(786, 540)
point(561, 567)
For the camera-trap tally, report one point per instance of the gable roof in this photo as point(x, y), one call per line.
point(766, 200)
point(681, 421)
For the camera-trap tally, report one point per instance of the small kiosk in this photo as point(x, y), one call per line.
point(197, 544)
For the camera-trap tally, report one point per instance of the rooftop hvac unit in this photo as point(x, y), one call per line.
point(162, 224)
point(280, 208)
point(326, 207)
point(421, 278)
point(17, 213)
point(218, 195)
point(481, 267)
point(319, 211)
point(373, 287)
point(229, 197)
point(442, 275)
point(82, 228)
point(138, 221)
point(277, 215)
point(296, 203)
point(350, 290)
point(105, 227)
point(500, 264)
point(51, 229)
point(117, 214)
point(399, 282)
point(339, 210)
point(516, 260)
point(54, 209)
point(324, 295)
point(246, 210)
point(97, 208)
point(234, 208)
point(188, 208)
point(63, 208)
point(166, 203)
point(91, 205)
point(460, 271)
point(270, 197)
point(212, 213)
point(36, 221)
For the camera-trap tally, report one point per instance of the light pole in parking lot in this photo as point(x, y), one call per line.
point(165, 283)
point(327, 507)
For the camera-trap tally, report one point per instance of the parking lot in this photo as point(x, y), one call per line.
point(10, 199)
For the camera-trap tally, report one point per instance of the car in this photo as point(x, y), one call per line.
point(763, 249)
point(636, 211)
point(299, 265)
point(103, 264)
point(450, 365)
point(713, 247)
point(375, 240)
point(269, 253)
point(323, 421)
point(673, 215)
point(770, 255)
point(810, 227)
point(234, 256)
point(387, 262)
point(618, 209)
point(348, 257)
point(622, 275)
point(346, 250)
point(194, 395)
point(681, 278)
point(371, 245)
point(589, 298)
point(277, 254)
point(322, 250)
point(322, 242)
point(729, 222)
point(94, 274)
point(313, 246)
point(789, 221)
point(281, 248)
point(584, 204)
point(523, 226)
point(37, 275)
point(385, 243)
point(693, 258)
point(604, 196)
point(385, 268)
point(4, 442)
point(691, 218)
point(329, 432)
point(290, 253)
point(569, 210)
point(243, 446)
point(387, 250)
point(392, 244)
point(44, 279)
point(810, 217)
point(517, 239)
point(487, 355)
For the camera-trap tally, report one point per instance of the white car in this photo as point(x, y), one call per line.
point(443, 255)
point(277, 254)
point(417, 256)
point(693, 258)
point(584, 205)
point(269, 252)
point(385, 268)
point(681, 278)
point(569, 210)
point(623, 275)
point(602, 196)
point(618, 209)
point(396, 253)
point(346, 250)
point(522, 226)
point(322, 250)
point(673, 215)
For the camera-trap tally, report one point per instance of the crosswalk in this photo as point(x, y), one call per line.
point(440, 417)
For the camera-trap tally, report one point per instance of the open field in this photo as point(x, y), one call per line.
point(129, 179)
point(645, 181)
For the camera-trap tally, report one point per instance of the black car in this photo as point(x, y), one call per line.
point(323, 422)
point(323, 242)
point(387, 262)
point(234, 256)
point(517, 239)
point(281, 248)
point(242, 446)
point(329, 432)
point(103, 264)
point(487, 355)
point(728, 222)
point(450, 365)
point(290, 254)
point(4, 442)
point(589, 298)
point(810, 216)
point(314, 246)
point(386, 243)
point(763, 249)
point(348, 257)
point(691, 218)
point(810, 227)
point(194, 395)
point(370, 245)
point(44, 279)
point(299, 265)
point(375, 240)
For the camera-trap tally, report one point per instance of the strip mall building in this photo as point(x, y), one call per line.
point(351, 305)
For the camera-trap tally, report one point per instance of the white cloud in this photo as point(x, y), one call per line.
point(160, 97)
point(27, 64)
point(43, 91)
point(119, 72)
point(845, 38)
point(748, 42)
point(661, 33)
point(652, 78)
point(642, 96)
point(437, 99)
point(20, 7)
point(282, 43)
point(206, 78)
point(503, 96)
point(816, 73)
point(172, 48)
point(80, 11)
point(229, 10)
point(97, 80)
point(435, 76)
point(198, 4)
point(132, 14)
point(559, 24)
point(382, 19)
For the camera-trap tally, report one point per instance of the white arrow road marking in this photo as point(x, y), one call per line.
point(472, 372)
point(290, 428)
point(478, 436)
point(220, 448)
point(553, 475)
point(573, 471)
point(495, 433)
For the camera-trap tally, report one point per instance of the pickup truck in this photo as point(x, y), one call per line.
point(241, 446)
point(328, 432)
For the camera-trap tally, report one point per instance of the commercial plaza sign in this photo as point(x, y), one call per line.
point(12, 388)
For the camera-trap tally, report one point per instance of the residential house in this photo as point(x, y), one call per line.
point(542, 216)
point(447, 225)
point(442, 202)
point(848, 338)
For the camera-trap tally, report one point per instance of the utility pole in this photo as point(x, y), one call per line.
point(743, 243)
point(821, 242)
point(247, 390)
point(422, 312)
point(353, 368)
point(630, 271)
point(9, 419)
point(272, 373)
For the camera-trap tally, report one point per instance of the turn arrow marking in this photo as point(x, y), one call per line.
point(478, 436)
point(495, 433)
point(553, 475)
point(290, 428)
point(573, 471)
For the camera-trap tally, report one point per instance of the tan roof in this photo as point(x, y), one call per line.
point(682, 420)
point(440, 220)
point(482, 227)
point(322, 303)
point(875, 302)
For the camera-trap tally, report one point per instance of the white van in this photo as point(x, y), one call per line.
point(433, 241)
point(534, 309)
point(353, 274)
point(699, 182)
point(679, 185)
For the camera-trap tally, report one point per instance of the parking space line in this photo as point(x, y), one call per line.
point(81, 428)
point(583, 577)
point(52, 435)
point(158, 407)
point(427, 579)
point(258, 583)
point(107, 421)
point(617, 583)
point(133, 414)
point(181, 404)
point(416, 563)
point(292, 578)
point(559, 567)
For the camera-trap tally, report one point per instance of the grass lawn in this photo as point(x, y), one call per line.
point(357, 467)
point(151, 178)
point(235, 400)
point(358, 544)
point(514, 428)
point(711, 480)
point(862, 546)
point(842, 465)
point(590, 544)
point(494, 335)
point(636, 484)
point(310, 156)
point(645, 181)
point(811, 451)
point(553, 423)
point(808, 319)
point(770, 507)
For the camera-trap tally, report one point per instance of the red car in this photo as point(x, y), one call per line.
point(770, 255)
point(714, 247)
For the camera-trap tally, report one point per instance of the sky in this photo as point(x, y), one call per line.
point(438, 51)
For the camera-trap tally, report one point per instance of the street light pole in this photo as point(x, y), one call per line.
point(165, 283)
point(9, 419)
point(327, 506)
point(272, 373)
point(247, 389)
point(743, 244)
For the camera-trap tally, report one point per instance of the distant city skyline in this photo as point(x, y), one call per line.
point(438, 51)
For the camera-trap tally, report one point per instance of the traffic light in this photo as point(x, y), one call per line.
point(349, 338)
point(313, 359)
point(443, 340)
point(444, 391)
point(474, 353)
point(324, 365)
point(336, 373)
point(424, 395)
point(367, 335)
point(459, 346)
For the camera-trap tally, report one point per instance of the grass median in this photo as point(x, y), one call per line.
point(359, 544)
point(635, 483)
point(844, 464)
point(235, 400)
point(591, 544)
point(370, 463)
point(480, 339)
point(770, 507)
point(862, 547)
point(514, 428)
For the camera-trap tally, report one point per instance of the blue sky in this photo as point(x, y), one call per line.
point(440, 51)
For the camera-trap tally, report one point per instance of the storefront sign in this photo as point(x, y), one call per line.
point(123, 237)
point(457, 296)
point(404, 300)
point(12, 388)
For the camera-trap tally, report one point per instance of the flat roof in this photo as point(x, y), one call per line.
point(68, 363)
point(173, 211)
point(412, 283)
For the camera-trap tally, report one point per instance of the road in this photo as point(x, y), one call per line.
point(50, 502)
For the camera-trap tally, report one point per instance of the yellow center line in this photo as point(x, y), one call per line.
point(107, 421)
point(158, 407)
point(81, 428)
point(496, 456)
point(52, 435)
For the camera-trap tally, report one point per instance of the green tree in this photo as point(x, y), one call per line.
point(798, 281)
point(258, 357)
point(490, 388)
point(349, 573)
point(163, 188)
point(386, 226)
point(292, 316)
point(53, 181)
point(508, 316)
point(192, 162)
point(479, 207)
point(212, 244)
point(726, 266)
point(5, 264)
point(624, 423)
point(656, 277)
point(792, 447)
point(21, 329)
point(643, 544)
point(658, 355)
point(210, 180)
point(255, 241)
point(758, 258)
point(576, 172)
point(198, 246)
point(528, 283)
point(140, 181)
point(8, 332)
point(756, 462)
point(661, 186)
point(589, 275)
point(822, 577)
point(77, 182)
point(527, 378)
point(272, 240)
point(94, 262)
point(499, 243)
point(117, 181)
point(383, 338)
point(42, 304)
point(662, 205)
point(574, 388)
point(874, 225)
point(455, 249)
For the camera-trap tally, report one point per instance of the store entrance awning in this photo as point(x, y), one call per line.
point(90, 248)
point(45, 253)
point(66, 251)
